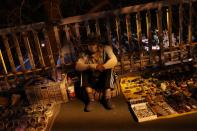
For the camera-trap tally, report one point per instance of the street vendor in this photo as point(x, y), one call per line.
point(95, 65)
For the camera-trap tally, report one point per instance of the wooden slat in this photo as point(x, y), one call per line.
point(159, 26)
point(78, 33)
point(18, 51)
point(181, 23)
point(125, 10)
point(98, 32)
point(128, 27)
point(49, 50)
point(181, 27)
point(87, 28)
point(190, 23)
point(23, 28)
point(66, 29)
point(3, 63)
point(10, 74)
point(57, 38)
point(118, 29)
point(169, 24)
point(38, 48)
point(9, 53)
point(108, 30)
point(149, 34)
point(118, 32)
point(28, 48)
point(139, 35)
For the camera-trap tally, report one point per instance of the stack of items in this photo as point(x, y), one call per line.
point(26, 118)
point(164, 96)
point(142, 110)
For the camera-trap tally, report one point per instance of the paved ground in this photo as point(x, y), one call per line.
point(72, 118)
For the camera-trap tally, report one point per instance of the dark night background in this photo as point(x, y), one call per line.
point(18, 12)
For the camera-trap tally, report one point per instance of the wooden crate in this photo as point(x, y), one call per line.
point(42, 90)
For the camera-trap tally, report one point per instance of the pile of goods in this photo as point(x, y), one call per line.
point(32, 108)
point(161, 94)
point(26, 118)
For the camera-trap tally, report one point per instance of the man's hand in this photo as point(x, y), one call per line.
point(100, 67)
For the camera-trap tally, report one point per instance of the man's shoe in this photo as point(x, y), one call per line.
point(89, 106)
point(108, 104)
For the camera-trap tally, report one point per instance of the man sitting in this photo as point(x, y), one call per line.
point(96, 65)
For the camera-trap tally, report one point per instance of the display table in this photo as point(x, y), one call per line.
point(165, 94)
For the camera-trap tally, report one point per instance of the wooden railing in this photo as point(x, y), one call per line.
point(140, 20)
point(27, 48)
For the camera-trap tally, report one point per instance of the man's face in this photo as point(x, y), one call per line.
point(93, 47)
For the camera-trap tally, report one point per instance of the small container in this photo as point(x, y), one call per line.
point(71, 91)
point(70, 88)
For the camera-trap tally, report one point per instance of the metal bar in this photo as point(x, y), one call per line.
point(169, 23)
point(18, 50)
point(149, 34)
point(159, 26)
point(38, 48)
point(98, 32)
point(139, 36)
point(9, 53)
point(29, 51)
point(49, 50)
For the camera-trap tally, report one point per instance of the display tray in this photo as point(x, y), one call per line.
point(170, 93)
point(143, 112)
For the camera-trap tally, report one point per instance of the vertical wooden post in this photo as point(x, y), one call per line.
point(181, 28)
point(149, 34)
point(190, 29)
point(159, 26)
point(38, 48)
point(78, 33)
point(139, 36)
point(169, 23)
point(29, 51)
point(118, 32)
point(128, 26)
point(18, 50)
point(66, 29)
point(118, 29)
point(97, 28)
point(57, 38)
point(87, 28)
point(3, 63)
point(190, 24)
point(49, 50)
point(9, 53)
point(78, 42)
point(108, 30)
